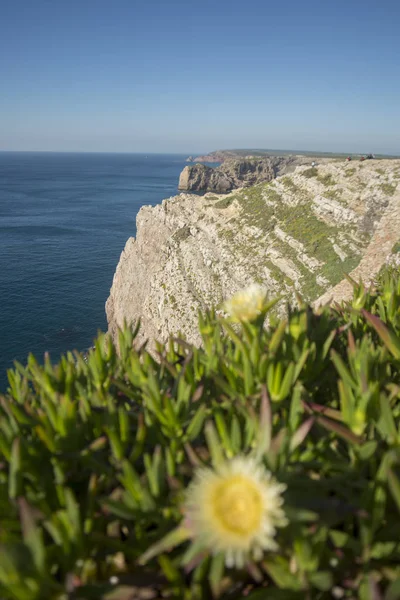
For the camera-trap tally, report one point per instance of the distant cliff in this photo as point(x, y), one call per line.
point(236, 173)
point(219, 156)
point(298, 233)
point(213, 157)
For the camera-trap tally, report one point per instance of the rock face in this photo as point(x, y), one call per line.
point(236, 173)
point(298, 233)
point(218, 156)
point(200, 178)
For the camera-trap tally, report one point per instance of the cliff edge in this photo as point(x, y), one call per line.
point(237, 173)
point(298, 233)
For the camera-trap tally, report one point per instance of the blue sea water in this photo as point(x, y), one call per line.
point(64, 220)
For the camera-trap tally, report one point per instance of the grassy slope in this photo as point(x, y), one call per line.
point(288, 203)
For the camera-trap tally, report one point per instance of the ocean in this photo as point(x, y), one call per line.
point(64, 221)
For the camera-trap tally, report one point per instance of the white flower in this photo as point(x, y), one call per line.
point(247, 304)
point(235, 509)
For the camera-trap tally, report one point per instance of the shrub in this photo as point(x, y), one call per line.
point(311, 172)
point(181, 234)
point(97, 455)
point(388, 188)
point(396, 248)
point(326, 179)
point(224, 202)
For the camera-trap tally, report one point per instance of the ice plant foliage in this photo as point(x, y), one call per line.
point(247, 304)
point(121, 468)
point(235, 509)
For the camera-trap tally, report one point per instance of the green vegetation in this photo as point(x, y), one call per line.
point(326, 179)
point(272, 194)
point(172, 300)
point(224, 202)
point(97, 455)
point(333, 194)
point(299, 222)
point(335, 269)
point(228, 234)
point(388, 188)
point(312, 172)
point(254, 209)
point(349, 172)
point(182, 234)
point(396, 247)
point(290, 185)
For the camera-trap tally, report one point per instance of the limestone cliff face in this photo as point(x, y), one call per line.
point(300, 232)
point(218, 156)
point(199, 178)
point(239, 172)
point(230, 175)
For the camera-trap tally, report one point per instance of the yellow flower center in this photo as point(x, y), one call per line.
point(238, 505)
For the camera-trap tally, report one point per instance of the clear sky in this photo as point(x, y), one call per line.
point(199, 75)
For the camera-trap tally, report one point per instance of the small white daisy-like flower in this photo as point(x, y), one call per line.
point(247, 304)
point(235, 509)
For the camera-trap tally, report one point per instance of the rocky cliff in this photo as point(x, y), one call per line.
point(237, 173)
point(200, 178)
point(298, 233)
point(218, 156)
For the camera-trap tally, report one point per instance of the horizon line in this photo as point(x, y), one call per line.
point(152, 152)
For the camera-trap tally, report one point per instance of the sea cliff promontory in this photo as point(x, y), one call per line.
point(235, 173)
point(299, 233)
point(218, 156)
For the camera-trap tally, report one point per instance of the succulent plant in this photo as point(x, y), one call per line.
point(280, 443)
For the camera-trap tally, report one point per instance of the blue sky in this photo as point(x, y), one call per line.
point(194, 76)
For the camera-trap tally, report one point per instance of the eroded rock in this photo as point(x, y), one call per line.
point(192, 252)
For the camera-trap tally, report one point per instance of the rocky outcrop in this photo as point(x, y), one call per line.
point(298, 233)
point(236, 173)
point(219, 156)
point(378, 252)
point(199, 178)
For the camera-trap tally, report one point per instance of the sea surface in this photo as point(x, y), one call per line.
point(64, 221)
